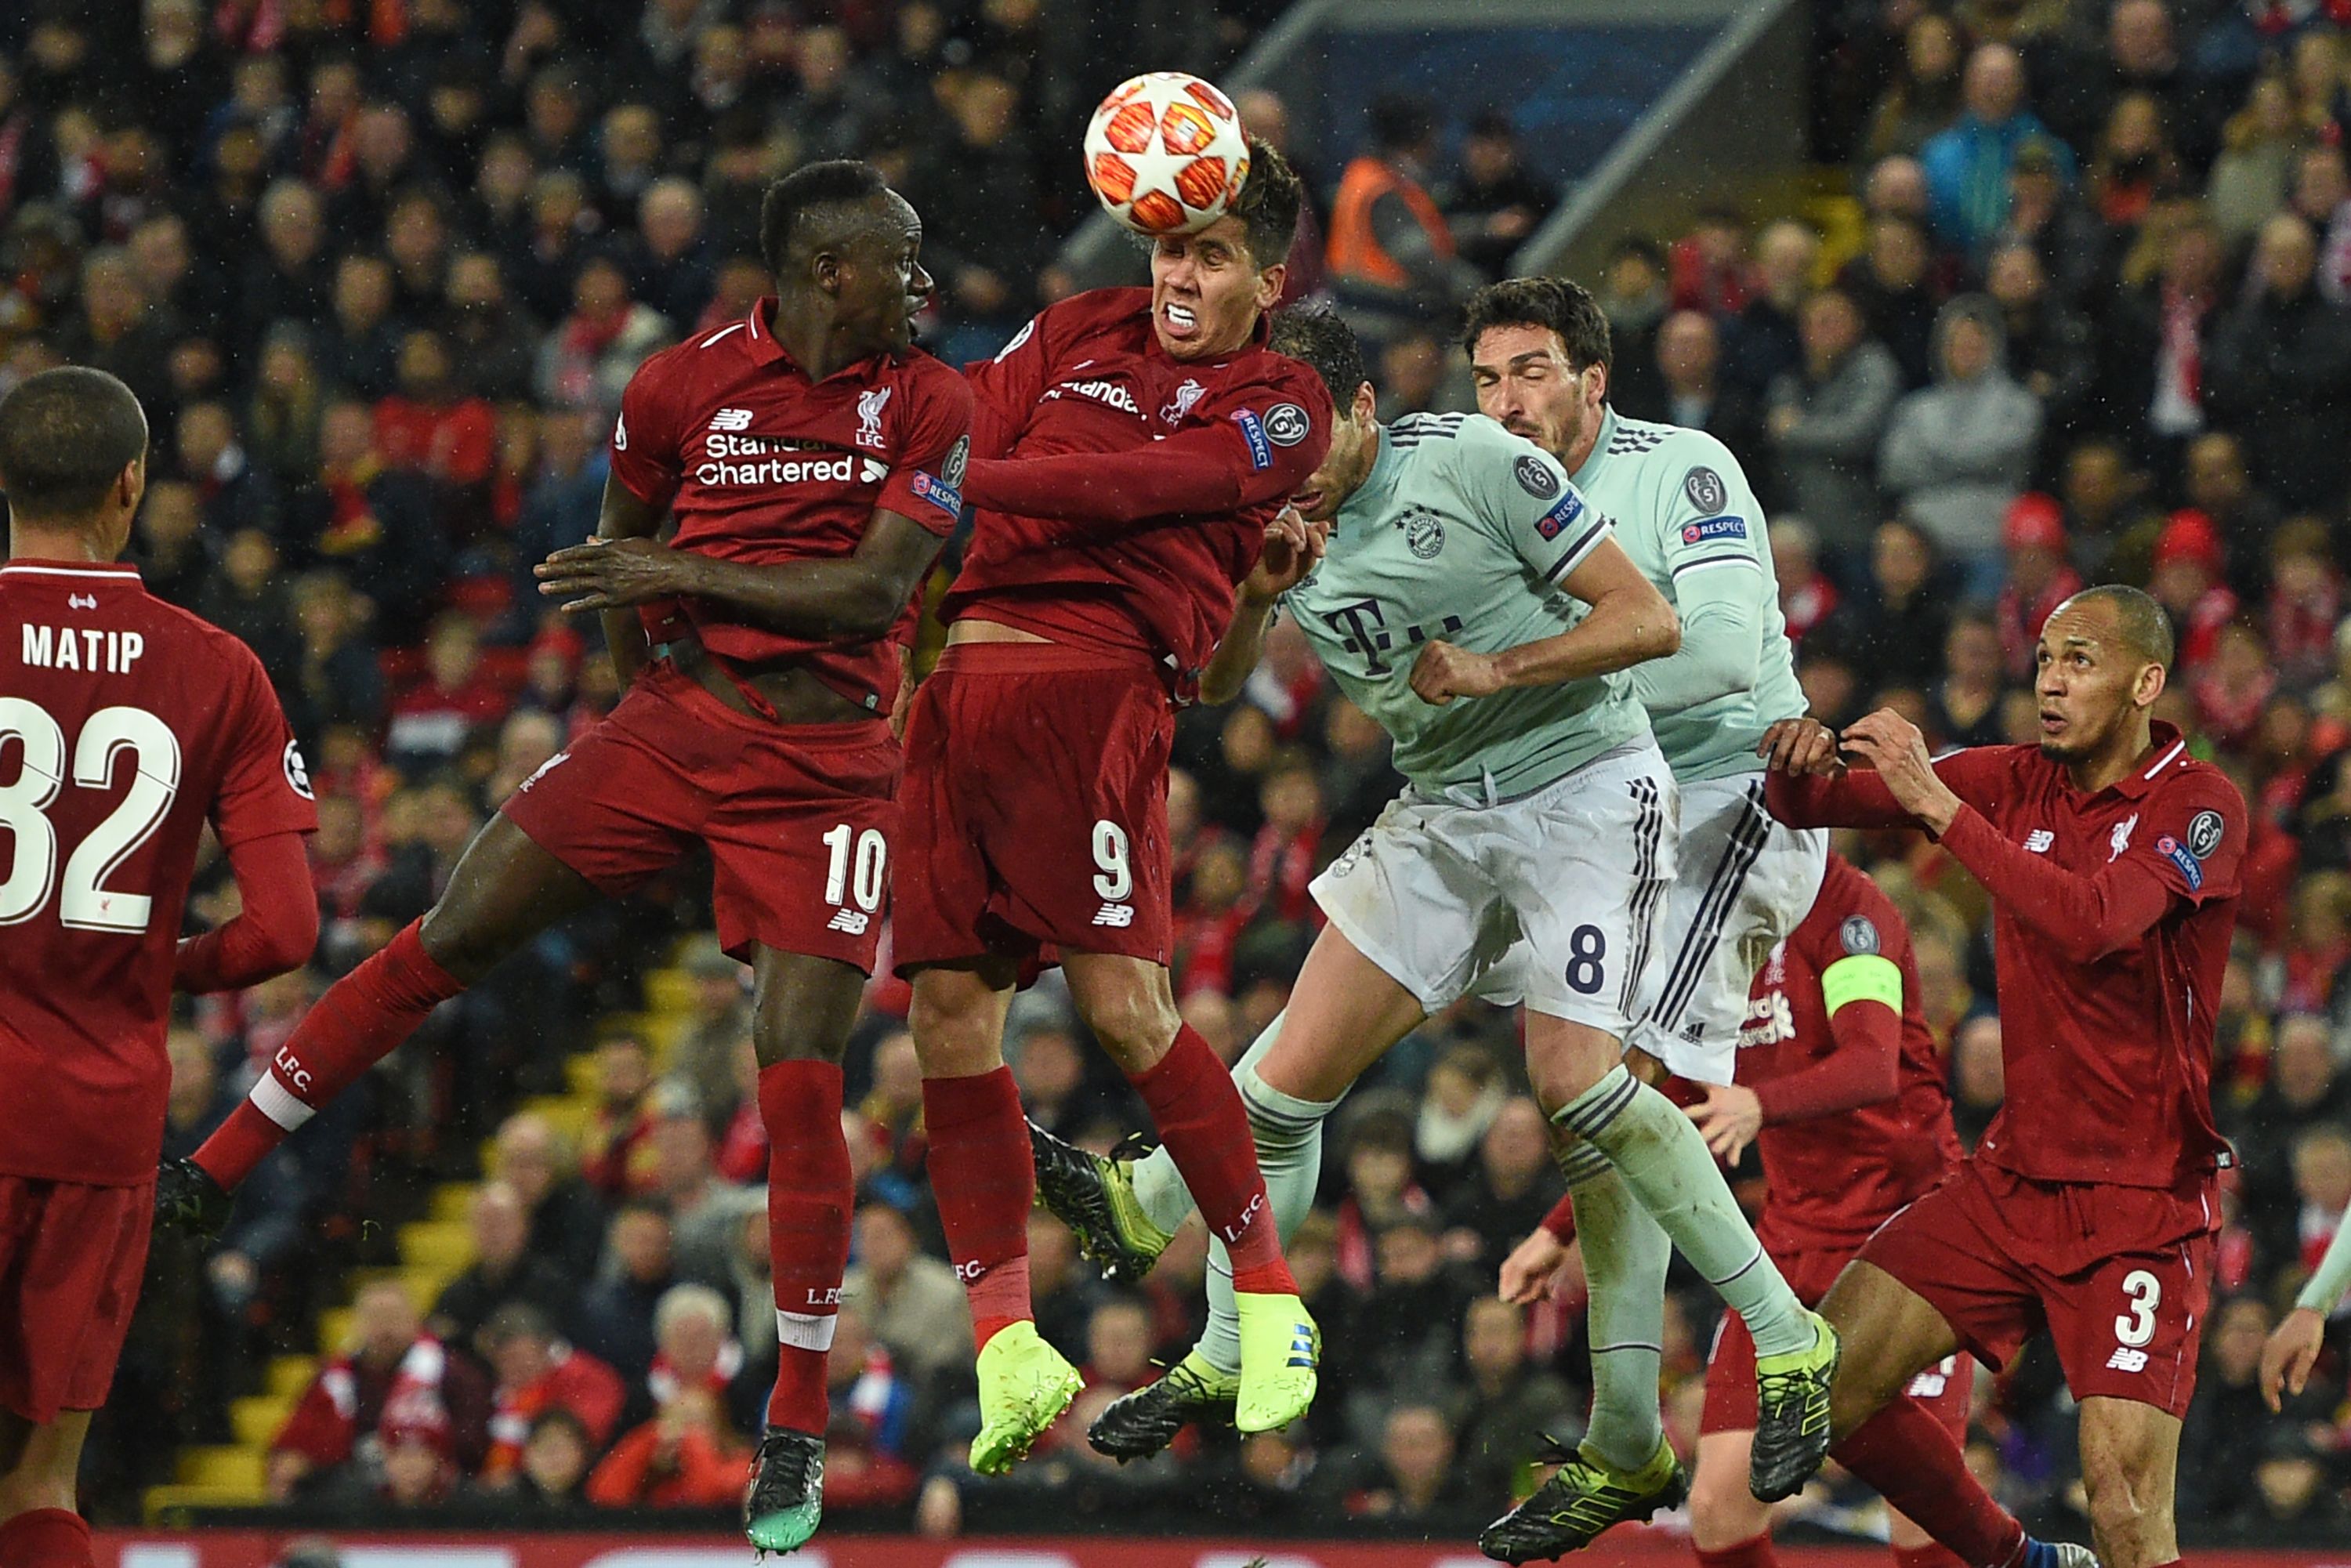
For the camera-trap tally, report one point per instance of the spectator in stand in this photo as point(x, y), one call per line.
point(504, 1270)
point(1513, 1185)
point(1924, 96)
point(1506, 1407)
point(2045, 214)
point(1979, 1081)
point(2232, 692)
point(1391, 262)
point(428, 424)
point(867, 1455)
point(1968, 165)
point(1764, 343)
point(592, 352)
point(1464, 1094)
point(909, 1298)
point(2110, 527)
point(435, 717)
point(535, 1372)
point(2322, 198)
point(1902, 617)
point(717, 1026)
point(2052, 350)
point(1414, 1480)
point(235, 495)
point(551, 1476)
point(1493, 201)
point(2164, 328)
point(1956, 455)
point(2220, 1440)
point(1706, 269)
point(1052, 1071)
point(287, 282)
point(705, 1213)
point(2306, 1087)
point(2039, 579)
point(1288, 851)
point(2262, 151)
point(360, 347)
point(1825, 419)
point(2133, 163)
point(1900, 290)
point(1963, 707)
point(2279, 369)
point(1632, 296)
point(615, 1315)
point(2306, 604)
point(695, 1350)
point(567, 1224)
point(2187, 582)
point(685, 1457)
point(675, 275)
point(248, 597)
point(391, 1364)
point(979, 197)
point(1808, 596)
point(495, 344)
point(1689, 366)
point(410, 1468)
point(2217, 483)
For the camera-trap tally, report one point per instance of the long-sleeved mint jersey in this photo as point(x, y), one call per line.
point(1686, 516)
point(1462, 531)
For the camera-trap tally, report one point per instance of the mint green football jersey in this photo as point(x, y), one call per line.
point(1463, 532)
point(1685, 515)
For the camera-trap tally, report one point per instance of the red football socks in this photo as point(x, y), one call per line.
point(810, 1192)
point(1931, 1555)
point(984, 1176)
point(1755, 1554)
point(359, 1023)
point(1198, 1111)
point(1917, 1466)
point(45, 1538)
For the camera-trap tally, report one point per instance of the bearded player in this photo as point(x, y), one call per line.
point(1132, 447)
point(125, 726)
point(811, 457)
point(2088, 1210)
point(1447, 607)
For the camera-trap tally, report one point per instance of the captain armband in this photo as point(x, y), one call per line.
point(1863, 978)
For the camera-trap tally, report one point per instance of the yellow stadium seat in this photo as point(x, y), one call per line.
point(257, 1419)
point(669, 990)
point(174, 1505)
point(334, 1329)
point(290, 1375)
point(454, 1199)
point(221, 1467)
point(438, 1244)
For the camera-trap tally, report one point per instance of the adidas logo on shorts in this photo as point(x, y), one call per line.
point(2126, 1360)
point(1118, 915)
point(853, 921)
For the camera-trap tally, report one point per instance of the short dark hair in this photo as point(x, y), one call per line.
point(1567, 308)
point(792, 204)
point(1316, 337)
point(66, 434)
point(1267, 205)
point(2145, 625)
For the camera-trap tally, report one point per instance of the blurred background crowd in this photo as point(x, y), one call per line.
point(380, 268)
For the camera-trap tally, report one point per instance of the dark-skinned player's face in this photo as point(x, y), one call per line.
point(879, 284)
point(1208, 292)
point(2091, 681)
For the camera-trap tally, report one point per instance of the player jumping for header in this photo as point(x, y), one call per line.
point(1131, 448)
point(811, 459)
point(128, 724)
point(1447, 607)
point(2088, 1210)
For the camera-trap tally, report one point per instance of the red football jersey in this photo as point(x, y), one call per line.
point(2112, 915)
point(125, 725)
point(1833, 1178)
point(1088, 376)
point(763, 466)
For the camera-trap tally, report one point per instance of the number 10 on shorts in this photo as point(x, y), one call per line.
point(854, 874)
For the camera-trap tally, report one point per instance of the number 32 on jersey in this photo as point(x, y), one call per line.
point(85, 903)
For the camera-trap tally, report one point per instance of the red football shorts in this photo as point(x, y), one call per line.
point(70, 1260)
point(2120, 1276)
point(1943, 1388)
point(800, 819)
point(1036, 807)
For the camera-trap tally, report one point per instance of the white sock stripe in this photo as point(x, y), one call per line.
point(1280, 1106)
point(277, 1102)
point(805, 1330)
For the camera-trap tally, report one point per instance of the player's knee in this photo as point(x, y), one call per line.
point(2127, 1505)
point(776, 1038)
point(465, 950)
point(1723, 1512)
point(1134, 1027)
point(953, 1016)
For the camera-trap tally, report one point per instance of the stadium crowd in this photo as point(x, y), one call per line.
point(379, 268)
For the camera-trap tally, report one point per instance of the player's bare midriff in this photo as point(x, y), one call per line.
point(989, 632)
point(795, 695)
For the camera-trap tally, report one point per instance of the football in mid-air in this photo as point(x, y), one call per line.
point(1165, 153)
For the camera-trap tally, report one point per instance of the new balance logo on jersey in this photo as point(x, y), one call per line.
point(1118, 915)
point(1110, 395)
point(2040, 840)
point(850, 921)
point(731, 419)
point(81, 601)
point(2126, 1360)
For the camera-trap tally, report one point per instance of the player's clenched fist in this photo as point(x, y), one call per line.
point(1892, 745)
point(612, 574)
point(1293, 547)
point(1443, 671)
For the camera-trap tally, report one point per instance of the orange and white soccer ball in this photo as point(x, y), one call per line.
point(1165, 153)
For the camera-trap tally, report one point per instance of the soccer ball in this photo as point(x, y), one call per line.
point(1165, 153)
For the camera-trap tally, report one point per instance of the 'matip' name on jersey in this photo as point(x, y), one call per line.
point(82, 648)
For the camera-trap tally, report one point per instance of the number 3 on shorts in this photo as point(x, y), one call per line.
point(855, 875)
point(2145, 1293)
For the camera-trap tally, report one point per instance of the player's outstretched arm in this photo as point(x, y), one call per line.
point(1292, 547)
point(1200, 472)
point(1630, 622)
point(849, 599)
point(2293, 1345)
point(275, 930)
point(626, 516)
